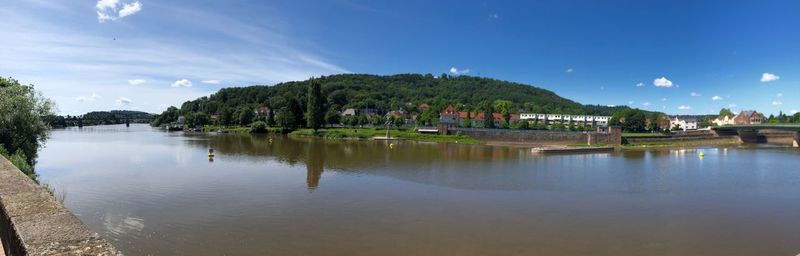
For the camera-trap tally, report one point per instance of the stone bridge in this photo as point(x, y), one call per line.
point(32, 222)
point(750, 133)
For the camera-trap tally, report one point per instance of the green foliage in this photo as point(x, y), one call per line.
point(19, 160)
point(271, 118)
point(22, 120)
point(726, 112)
point(631, 120)
point(332, 117)
point(258, 127)
point(370, 133)
point(286, 119)
point(315, 105)
point(488, 118)
point(398, 122)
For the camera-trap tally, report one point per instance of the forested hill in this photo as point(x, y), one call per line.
point(394, 92)
point(101, 118)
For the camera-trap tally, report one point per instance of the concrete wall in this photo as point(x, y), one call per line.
point(533, 137)
point(32, 222)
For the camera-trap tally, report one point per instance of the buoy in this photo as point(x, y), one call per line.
point(270, 140)
point(701, 155)
point(391, 145)
point(210, 153)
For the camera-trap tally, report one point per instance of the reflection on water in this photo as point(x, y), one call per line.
point(153, 192)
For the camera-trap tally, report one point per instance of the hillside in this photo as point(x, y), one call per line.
point(398, 91)
point(101, 118)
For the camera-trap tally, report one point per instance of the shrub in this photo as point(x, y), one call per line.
point(258, 127)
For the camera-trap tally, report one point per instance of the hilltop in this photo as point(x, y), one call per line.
point(394, 92)
point(101, 118)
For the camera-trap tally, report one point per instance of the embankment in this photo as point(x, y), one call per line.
point(32, 222)
point(541, 138)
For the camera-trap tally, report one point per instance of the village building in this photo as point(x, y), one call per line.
point(349, 112)
point(452, 118)
point(261, 111)
point(582, 120)
point(684, 123)
point(724, 120)
point(748, 117)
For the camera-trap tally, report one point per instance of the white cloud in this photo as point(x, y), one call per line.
point(716, 97)
point(731, 105)
point(794, 111)
point(569, 70)
point(611, 106)
point(123, 102)
point(694, 94)
point(136, 81)
point(683, 107)
point(113, 9)
point(493, 16)
point(182, 83)
point(780, 94)
point(640, 84)
point(631, 102)
point(663, 99)
point(456, 71)
point(662, 82)
point(769, 77)
point(212, 81)
point(646, 104)
point(776, 103)
point(129, 9)
point(92, 97)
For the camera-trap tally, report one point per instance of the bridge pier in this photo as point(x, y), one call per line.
point(748, 136)
point(796, 142)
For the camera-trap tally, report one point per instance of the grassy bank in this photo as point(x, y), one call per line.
point(364, 133)
point(237, 129)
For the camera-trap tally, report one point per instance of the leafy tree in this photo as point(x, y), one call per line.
point(488, 118)
point(631, 120)
point(332, 117)
point(271, 118)
point(315, 105)
point(297, 111)
point(398, 122)
point(22, 126)
point(726, 112)
point(245, 116)
point(286, 119)
point(376, 121)
point(258, 127)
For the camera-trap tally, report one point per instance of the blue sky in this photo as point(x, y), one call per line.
point(679, 57)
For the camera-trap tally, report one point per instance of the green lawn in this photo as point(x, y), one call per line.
point(363, 133)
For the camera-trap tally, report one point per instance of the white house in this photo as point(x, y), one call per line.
point(578, 119)
point(724, 120)
point(685, 123)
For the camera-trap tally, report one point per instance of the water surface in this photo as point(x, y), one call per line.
point(157, 193)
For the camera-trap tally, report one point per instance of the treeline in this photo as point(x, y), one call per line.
point(375, 95)
point(100, 118)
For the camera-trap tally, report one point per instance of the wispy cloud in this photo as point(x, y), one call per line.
point(123, 102)
point(662, 82)
point(684, 107)
point(732, 105)
point(493, 17)
point(136, 81)
point(694, 94)
point(213, 81)
point(780, 94)
point(92, 97)
point(569, 70)
point(640, 84)
point(769, 77)
point(715, 98)
point(646, 104)
point(182, 83)
point(776, 103)
point(456, 71)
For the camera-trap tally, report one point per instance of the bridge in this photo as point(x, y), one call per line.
point(749, 132)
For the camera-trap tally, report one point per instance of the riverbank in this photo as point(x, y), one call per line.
point(369, 134)
point(666, 143)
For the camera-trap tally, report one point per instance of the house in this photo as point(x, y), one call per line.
point(423, 107)
point(724, 120)
point(683, 122)
point(452, 118)
point(748, 117)
point(349, 112)
point(181, 119)
point(583, 120)
point(261, 111)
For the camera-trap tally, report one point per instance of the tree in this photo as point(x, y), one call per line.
point(297, 111)
point(631, 120)
point(271, 118)
point(375, 121)
point(332, 117)
point(258, 127)
point(22, 126)
point(725, 112)
point(398, 121)
point(488, 118)
point(245, 116)
point(315, 105)
point(286, 119)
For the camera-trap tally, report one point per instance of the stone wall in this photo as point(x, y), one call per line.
point(542, 138)
point(32, 222)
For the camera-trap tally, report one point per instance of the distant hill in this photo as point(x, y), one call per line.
point(101, 118)
point(403, 91)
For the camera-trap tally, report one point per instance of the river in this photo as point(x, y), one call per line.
point(152, 192)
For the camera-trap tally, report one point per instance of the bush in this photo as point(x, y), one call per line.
point(258, 127)
point(19, 160)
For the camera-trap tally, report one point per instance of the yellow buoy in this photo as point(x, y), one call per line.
point(391, 145)
point(701, 155)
